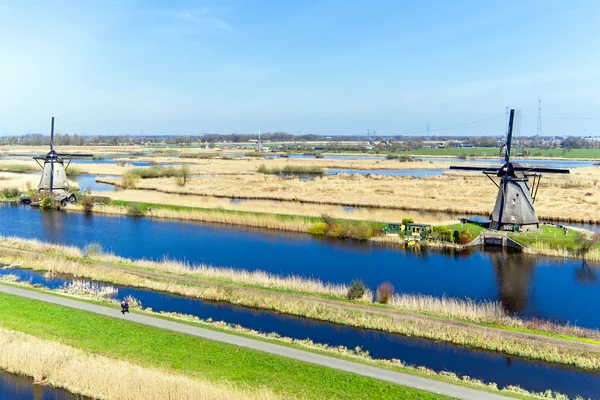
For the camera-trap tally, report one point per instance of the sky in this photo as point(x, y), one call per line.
point(308, 66)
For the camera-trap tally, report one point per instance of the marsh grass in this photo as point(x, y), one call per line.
point(291, 170)
point(17, 168)
point(89, 289)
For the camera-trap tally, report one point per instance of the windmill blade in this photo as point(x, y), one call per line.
point(74, 155)
point(542, 169)
point(511, 121)
point(479, 169)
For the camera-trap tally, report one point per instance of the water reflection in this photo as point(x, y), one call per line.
point(513, 274)
point(17, 387)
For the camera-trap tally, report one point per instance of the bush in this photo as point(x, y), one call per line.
point(441, 233)
point(130, 180)
point(46, 204)
point(456, 236)
point(362, 231)
point(92, 249)
point(183, 174)
point(318, 228)
point(407, 221)
point(134, 210)
point(385, 291)
point(357, 290)
point(466, 237)
point(87, 202)
point(9, 193)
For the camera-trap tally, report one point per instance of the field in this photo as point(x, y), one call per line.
point(205, 360)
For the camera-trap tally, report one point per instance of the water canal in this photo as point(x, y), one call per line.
point(17, 387)
point(487, 366)
point(549, 288)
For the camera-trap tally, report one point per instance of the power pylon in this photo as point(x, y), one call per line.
point(539, 125)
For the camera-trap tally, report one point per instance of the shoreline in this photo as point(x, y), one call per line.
point(431, 319)
point(301, 224)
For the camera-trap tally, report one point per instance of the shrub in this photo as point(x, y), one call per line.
point(130, 180)
point(357, 290)
point(328, 219)
point(441, 233)
point(385, 291)
point(456, 236)
point(362, 231)
point(8, 193)
point(318, 228)
point(92, 249)
point(134, 210)
point(338, 230)
point(183, 175)
point(46, 204)
point(87, 202)
point(407, 221)
point(466, 237)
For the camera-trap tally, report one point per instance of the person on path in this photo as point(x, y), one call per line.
point(124, 306)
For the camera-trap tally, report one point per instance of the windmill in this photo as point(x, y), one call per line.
point(54, 176)
point(514, 209)
point(259, 143)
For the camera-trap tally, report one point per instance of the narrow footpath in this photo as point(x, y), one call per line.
point(399, 378)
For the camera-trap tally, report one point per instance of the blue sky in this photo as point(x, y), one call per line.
point(308, 66)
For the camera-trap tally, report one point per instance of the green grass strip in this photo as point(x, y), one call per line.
point(192, 356)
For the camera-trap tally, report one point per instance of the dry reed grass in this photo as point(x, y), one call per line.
point(467, 193)
point(408, 324)
point(283, 207)
point(103, 377)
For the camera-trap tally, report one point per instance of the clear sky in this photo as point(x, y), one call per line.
point(306, 66)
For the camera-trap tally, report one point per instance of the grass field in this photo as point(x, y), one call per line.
point(191, 356)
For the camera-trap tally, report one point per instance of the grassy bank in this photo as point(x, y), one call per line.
point(483, 326)
point(334, 227)
point(205, 360)
point(552, 241)
point(88, 374)
point(96, 294)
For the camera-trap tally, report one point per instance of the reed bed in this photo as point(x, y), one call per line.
point(467, 193)
point(283, 207)
point(96, 376)
point(488, 311)
point(89, 290)
point(17, 168)
point(271, 221)
point(410, 324)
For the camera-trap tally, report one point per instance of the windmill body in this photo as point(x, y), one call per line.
point(514, 208)
point(54, 175)
point(514, 205)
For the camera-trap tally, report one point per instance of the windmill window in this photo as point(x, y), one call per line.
point(513, 201)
